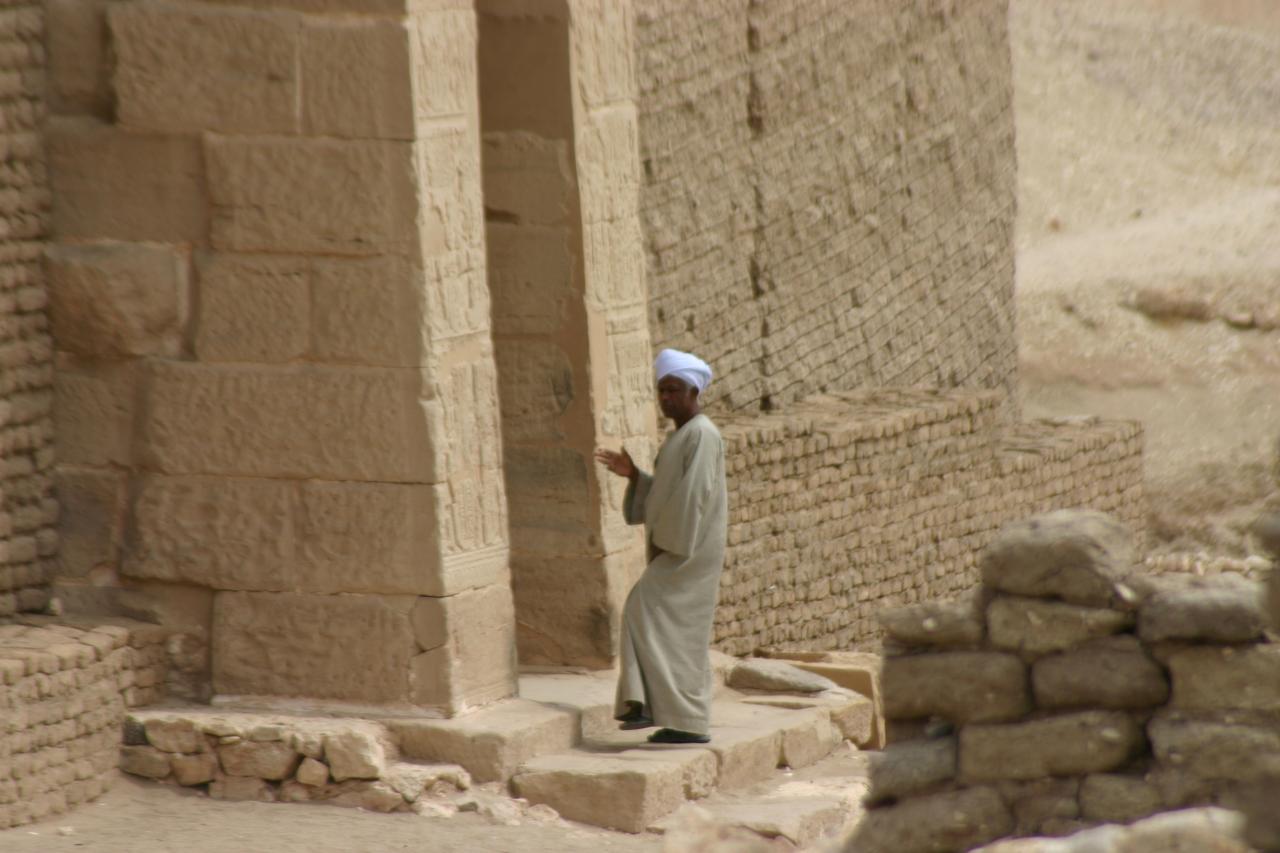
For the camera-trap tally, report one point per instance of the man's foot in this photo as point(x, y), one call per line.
point(677, 736)
point(637, 723)
point(634, 718)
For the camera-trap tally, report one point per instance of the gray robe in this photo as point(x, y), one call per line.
point(666, 625)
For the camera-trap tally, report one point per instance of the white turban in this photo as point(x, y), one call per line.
point(683, 366)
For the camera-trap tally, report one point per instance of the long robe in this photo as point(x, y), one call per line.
point(666, 624)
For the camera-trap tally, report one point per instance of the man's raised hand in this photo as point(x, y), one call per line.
point(619, 463)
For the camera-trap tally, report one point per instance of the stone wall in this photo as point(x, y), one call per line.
point(1071, 692)
point(28, 512)
point(853, 502)
point(828, 195)
point(277, 405)
point(64, 688)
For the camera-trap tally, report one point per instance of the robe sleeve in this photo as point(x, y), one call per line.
point(678, 523)
point(633, 502)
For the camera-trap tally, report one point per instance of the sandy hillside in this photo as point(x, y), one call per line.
point(1149, 241)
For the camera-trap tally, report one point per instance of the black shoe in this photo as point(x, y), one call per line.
point(677, 736)
point(636, 723)
point(634, 718)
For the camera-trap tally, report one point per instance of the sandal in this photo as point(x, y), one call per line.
point(677, 736)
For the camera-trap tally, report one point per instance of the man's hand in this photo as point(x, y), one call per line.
point(619, 463)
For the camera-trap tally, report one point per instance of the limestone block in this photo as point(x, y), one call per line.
point(373, 796)
point(489, 742)
point(90, 524)
point(1208, 749)
point(1227, 608)
point(114, 184)
point(207, 419)
point(312, 772)
point(174, 735)
point(1043, 806)
point(808, 740)
point(195, 769)
point(355, 754)
point(323, 196)
point(953, 820)
point(479, 664)
point(1084, 742)
point(368, 311)
point(429, 622)
point(911, 768)
point(604, 790)
point(413, 780)
point(935, 623)
point(93, 413)
point(1225, 677)
point(115, 300)
point(537, 389)
point(529, 179)
point(144, 761)
point(252, 308)
point(960, 686)
point(1112, 673)
point(776, 676)
point(352, 647)
point(180, 68)
point(76, 41)
point(746, 755)
point(444, 61)
point(1033, 626)
point(1113, 798)
point(1079, 556)
point(241, 788)
point(272, 760)
point(357, 80)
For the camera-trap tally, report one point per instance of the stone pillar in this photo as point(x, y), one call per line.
point(567, 281)
point(282, 419)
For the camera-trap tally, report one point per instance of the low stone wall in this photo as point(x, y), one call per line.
point(849, 503)
point(1069, 693)
point(64, 689)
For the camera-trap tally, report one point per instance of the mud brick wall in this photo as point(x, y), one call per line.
point(64, 689)
point(828, 193)
point(1071, 691)
point(852, 502)
point(28, 512)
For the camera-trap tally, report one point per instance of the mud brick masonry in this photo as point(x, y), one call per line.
point(312, 313)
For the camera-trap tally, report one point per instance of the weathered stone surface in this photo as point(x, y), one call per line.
point(183, 68)
point(194, 769)
point(93, 413)
point(116, 300)
point(357, 80)
point(271, 760)
point(312, 772)
point(144, 761)
point(355, 754)
point(1042, 806)
point(1034, 626)
point(1068, 744)
point(368, 311)
point(76, 40)
point(176, 735)
point(1109, 673)
point(1211, 749)
point(374, 796)
point(352, 647)
point(935, 623)
point(1211, 678)
point(809, 739)
point(1226, 608)
point(479, 665)
point(776, 675)
point(1112, 798)
point(1267, 529)
point(746, 755)
point(252, 308)
point(110, 184)
point(413, 780)
point(950, 821)
point(207, 419)
point(911, 768)
point(960, 686)
point(1079, 556)
point(239, 788)
point(603, 790)
point(90, 524)
point(322, 196)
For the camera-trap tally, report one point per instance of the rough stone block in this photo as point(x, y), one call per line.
point(252, 309)
point(184, 68)
point(355, 754)
point(935, 623)
point(1112, 673)
point(1064, 745)
point(1034, 626)
point(613, 791)
point(746, 755)
point(776, 676)
point(144, 761)
point(1223, 609)
point(357, 80)
point(93, 413)
point(809, 740)
point(312, 772)
point(479, 664)
point(91, 520)
point(1112, 798)
point(1043, 806)
point(76, 40)
point(195, 769)
point(962, 687)
point(272, 760)
point(312, 196)
point(911, 768)
point(113, 184)
point(1207, 678)
point(368, 311)
point(173, 735)
point(1209, 749)
point(350, 647)
point(116, 300)
point(1079, 556)
point(954, 820)
point(207, 419)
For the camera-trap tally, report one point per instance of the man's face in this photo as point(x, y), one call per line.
point(676, 399)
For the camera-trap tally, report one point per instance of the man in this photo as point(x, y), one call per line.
point(666, 625)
